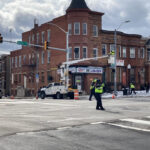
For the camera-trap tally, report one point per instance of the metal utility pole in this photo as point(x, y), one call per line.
point(115, 65)
point(67, 52)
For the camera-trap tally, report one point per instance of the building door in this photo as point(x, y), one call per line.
point(78, 82)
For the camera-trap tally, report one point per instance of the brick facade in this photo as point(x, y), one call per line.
point(24, 74)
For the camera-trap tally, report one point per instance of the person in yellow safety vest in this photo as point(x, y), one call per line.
point(92, 89)
point(132, 87)
point(112, 52)
point(98, 92)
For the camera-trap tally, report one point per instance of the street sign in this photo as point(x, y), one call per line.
point(22, 43)
point(37, 78)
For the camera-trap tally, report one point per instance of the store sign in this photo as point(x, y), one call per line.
point(81, 69)
point(97, 70)
point(120, 62)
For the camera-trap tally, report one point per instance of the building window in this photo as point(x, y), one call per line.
point(48, 57)
point(32, 38)
point(104, 49)
point(70, 29)
point(37, 57)
point(29, 58)
point(42, 60)
point(148, 54)
point(95, 52)
point(29, 39)
point(84, 52)
point(16, 61)
point(70, 52)
point(12, 62)
point(19, 78)
point(48, 35)
point(43, 37)
point(37, 38)
point(24, 59)
point(141, 52)
point(19, 61)
point(95, 30)
point(76, 28)
point(124, 52)
point(132, 52)
point(132, 75)
point(84, 28)
point(42, 77)
point(112, 47)
point(76, 52)
point(120, 75)
point(120, 51)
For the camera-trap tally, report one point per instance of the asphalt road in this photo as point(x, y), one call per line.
point(30, 124)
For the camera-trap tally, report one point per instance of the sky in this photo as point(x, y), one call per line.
point(17, 16)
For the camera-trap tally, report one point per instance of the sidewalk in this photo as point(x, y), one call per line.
point(120, 95)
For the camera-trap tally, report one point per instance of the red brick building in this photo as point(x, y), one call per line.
point(86, 40)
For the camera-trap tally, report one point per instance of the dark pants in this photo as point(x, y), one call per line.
point(133, 90)
point(99, 101)
point(92, 93)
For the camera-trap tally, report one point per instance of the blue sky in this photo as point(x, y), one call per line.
point(17, 16)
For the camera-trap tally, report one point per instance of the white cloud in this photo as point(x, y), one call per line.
point(19, 15)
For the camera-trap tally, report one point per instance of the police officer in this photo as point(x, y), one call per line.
point(98, 92)
point(92, 89)
point(132, 87)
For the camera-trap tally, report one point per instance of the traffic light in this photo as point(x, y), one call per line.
point(1, 39)
point(45, 45)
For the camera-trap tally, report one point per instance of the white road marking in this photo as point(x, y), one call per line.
point(128, 127)
point(97, 123)
point(137, 121)
point(64, 128)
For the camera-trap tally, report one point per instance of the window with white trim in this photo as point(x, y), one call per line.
point(148, 54)
point(84, 52)
point(95, 30)
point(48, 35)
point(12, 62)
point(141, 52)
point(112, 47)
point(48, 57)
point(29, 39)
point(42, 60)
point(132, 52)
point(37, 38)
point(104, 49)
point(124, 55)
point(76, 28)
point(32, 38)
point(76, 53)
point(19, 61)
point(43, 37)
point(24, 59)
point(120, 51)
point(95, 52)
point(70, 52)
point(16, 61)
point(84, 28)
point(70, 28)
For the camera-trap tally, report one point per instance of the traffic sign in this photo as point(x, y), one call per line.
point(37, 78)
point(22, 43)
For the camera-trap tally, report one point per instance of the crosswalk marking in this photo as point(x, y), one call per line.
point(129, 127)
point(137, 121)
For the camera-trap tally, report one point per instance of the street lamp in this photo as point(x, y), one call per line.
point(115, 41)
point(67, 52)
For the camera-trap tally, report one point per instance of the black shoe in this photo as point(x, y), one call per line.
point(90, 100)
point(102, 108)
point(97, 109)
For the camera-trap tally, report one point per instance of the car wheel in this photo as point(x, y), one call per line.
point(42, 95)
point(58, 95)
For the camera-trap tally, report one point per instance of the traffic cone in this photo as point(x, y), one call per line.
point(76, 95)
point(113, 96)
point(12, 97)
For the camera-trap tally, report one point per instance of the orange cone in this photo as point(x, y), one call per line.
point(76, 94)
point(113, 96)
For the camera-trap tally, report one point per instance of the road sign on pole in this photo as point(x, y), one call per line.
point(22, 43)
point(37, 78)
